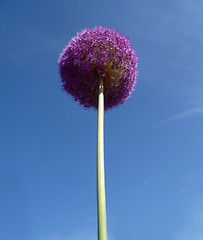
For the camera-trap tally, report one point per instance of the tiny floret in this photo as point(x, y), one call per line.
point(94, 54)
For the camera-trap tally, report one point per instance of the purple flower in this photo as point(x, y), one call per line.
point(98, 53)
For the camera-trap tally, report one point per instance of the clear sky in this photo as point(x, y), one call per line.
point(153, 144)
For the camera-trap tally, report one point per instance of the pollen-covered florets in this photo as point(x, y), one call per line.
point(98, 53)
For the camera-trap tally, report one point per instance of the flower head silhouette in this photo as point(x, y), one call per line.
point(94, 54)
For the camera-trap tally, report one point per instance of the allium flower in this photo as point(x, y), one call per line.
point(94, 54)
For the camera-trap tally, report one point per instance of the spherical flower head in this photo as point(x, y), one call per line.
point(94, 54)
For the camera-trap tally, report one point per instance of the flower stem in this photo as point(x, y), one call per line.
point(101, 199)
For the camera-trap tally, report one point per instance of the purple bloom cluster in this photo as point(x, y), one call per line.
point(94, 54)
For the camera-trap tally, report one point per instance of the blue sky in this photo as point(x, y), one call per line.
point(153, 144)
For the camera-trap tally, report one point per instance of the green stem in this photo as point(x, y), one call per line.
point(101, 199)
